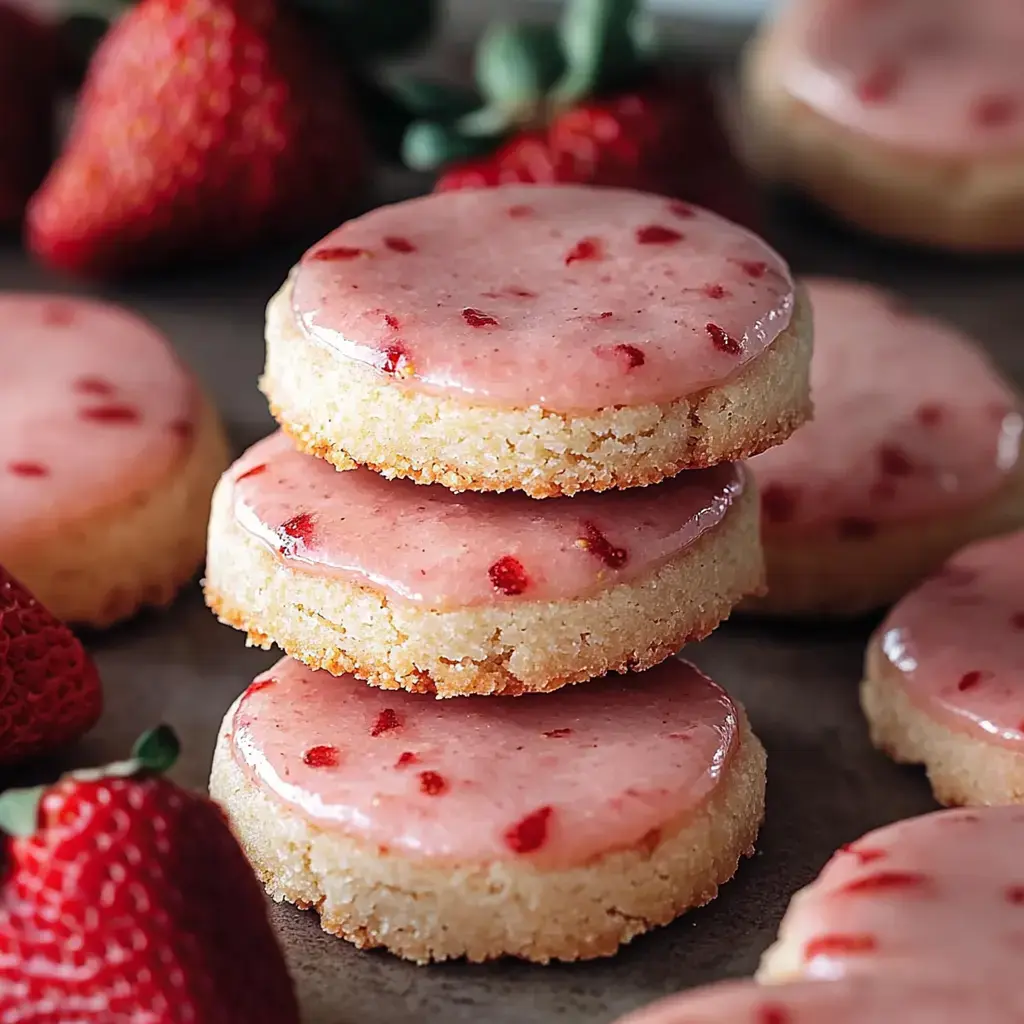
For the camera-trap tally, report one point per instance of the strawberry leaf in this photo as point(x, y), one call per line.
point(516, 64)
point(157, 750)
point(19, 811)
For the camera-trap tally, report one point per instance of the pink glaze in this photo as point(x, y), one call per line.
point(560, 778)
point(935, 76)
point(94, 407)
point(427, 546)
point(860, 1001)
point(910, 421)
point(919, 900)
point(569, 298)
point(958, 642)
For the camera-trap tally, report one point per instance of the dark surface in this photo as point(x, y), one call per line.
point(826, 786)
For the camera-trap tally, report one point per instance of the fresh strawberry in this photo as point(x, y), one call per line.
point(663, 139)
point(126, 899)
point(203, 126)
point(28, 86)
point(49, 688)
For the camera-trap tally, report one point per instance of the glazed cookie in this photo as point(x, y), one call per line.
point(108, 456)
point(944, 677)
point(849, 1001)
point(419, 588)
point(551, 827)
point(919, 901)
point(905, 118)
point(544, 339)
point(913, 452)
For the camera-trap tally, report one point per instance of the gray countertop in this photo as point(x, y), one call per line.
point(826, 786)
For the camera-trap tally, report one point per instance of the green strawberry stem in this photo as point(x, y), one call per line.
point(154, 753)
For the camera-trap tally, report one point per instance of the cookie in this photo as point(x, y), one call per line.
point(944, 676)
point(108, 455)
point(419, 588)
point(543, 339)
point(922, 900)
point(918, 922)
point(837, 1002)
point(904, 118)
point(549, 827)
point(913, 452)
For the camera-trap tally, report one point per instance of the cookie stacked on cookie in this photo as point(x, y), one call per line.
point(558, 343)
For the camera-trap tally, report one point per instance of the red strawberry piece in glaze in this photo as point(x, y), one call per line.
point(49, 688)
point(240, 130)
point(161, 917)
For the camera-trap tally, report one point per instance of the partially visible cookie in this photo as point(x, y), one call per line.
point(944, 676)
point(109, 452)
point(419, 588)
point(914, 451)
point(905, 118)
point(543, 339)
point(547, 828)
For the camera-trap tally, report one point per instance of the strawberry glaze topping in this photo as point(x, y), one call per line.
point(942, 77)
point(955, 645)
point(494, 309)
point(449, 551)
point(488, 784)
point(914, 441)
point(88, 404)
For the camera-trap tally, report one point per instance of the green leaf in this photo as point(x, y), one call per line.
point(428, 145)
point(517, 64)
point(433, 101)
point(19, 811)
point(157, 750)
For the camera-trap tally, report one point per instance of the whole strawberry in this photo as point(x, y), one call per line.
point(28, 87)
point(49, 688)
point(127, 900)
point(203, 126)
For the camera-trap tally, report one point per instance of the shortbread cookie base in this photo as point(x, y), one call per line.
point(100, 569)
point(423, 911)
point(969, 204)
point(962, 769)
point(814, 575)
point(507, 647)
point(350, 414)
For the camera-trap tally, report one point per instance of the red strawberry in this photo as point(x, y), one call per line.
point(203, 125)
point(665, 139)
point(28, 85)
point(127, 899)
point(49, 688)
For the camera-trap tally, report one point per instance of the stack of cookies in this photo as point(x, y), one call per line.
point(604, 358)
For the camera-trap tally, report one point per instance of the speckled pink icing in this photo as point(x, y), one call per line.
point(919, 900)
point(910, 421)
point(958, 642)
point(94, 407)
point(849, 1001)
point(438, 550)
point(565, 297)
point(560, 778)
point(934, 76)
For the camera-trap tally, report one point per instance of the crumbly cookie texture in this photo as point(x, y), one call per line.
point(350, 414)
point(966, 203)
point(135, 553)
point(828, 576)
point(428, 911)
point(535, 646)
point(961, 768)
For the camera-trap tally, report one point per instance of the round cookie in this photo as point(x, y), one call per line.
point(416, 587)
point(108, 455)
point(913, 452)
point(905, 118)
point(921, 901)
point(849, 1001)
point(544, 339)
point(944, 676)
point(551, 827)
